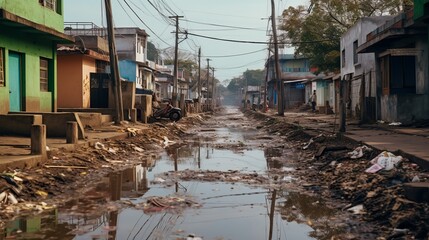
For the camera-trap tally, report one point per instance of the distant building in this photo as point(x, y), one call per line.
point(29, 34)
point(294, 71)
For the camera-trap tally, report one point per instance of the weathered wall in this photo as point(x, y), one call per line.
point(404, 108)
point(33, 11)
point(31, 49)
point(88, 68)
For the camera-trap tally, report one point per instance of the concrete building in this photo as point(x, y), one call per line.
point(29, 33)
point(294, 70)
point(83, 81)
point(358, 67)
point(131, 46)
point(401, 65)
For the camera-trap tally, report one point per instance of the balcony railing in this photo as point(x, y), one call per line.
point(84, 29)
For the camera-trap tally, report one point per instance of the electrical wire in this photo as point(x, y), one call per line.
point(221, 25)
point(236, 55)
point(145, 24)
point(248, 64)
point(256, 42)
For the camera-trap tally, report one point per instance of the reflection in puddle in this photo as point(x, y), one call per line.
point(114, 207)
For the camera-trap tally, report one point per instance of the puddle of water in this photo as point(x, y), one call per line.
point(227, 211)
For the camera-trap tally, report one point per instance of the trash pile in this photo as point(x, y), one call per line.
point(363, 181)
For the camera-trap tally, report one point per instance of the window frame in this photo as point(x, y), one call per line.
point(343, 58)
point(2, 72)
point(44, 80)
point(355, 54)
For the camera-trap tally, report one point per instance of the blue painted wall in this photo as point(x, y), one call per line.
point(128, 70)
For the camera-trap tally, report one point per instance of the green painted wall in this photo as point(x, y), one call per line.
point(419, 8)
point(32, 10)
point(31, 49)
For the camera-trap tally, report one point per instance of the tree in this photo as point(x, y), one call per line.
point(152, 52)
point(315, 31)
point(187, 60)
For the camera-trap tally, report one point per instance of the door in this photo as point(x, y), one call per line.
point(15, 82)
point(99, 90)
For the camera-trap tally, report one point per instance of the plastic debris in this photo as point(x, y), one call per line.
point(384, 161)
point(359, 152)
point(308, 144)
point(158, 204)
point(99, 145)
point(358, 209)
point(395, 124)
point(167, 142)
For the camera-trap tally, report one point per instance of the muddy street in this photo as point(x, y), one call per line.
point(227, 178)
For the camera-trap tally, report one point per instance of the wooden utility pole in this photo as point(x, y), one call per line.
point(208, 77)
point(199, 80)
point(176, 61)
point(264, 108)
point(277, 63)
point(114, 68)
point(213, 90)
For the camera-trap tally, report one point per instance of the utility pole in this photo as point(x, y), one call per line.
point(208, 76)
point(213, 90)
point(114, 68)
point(264, 109)
point(176, 61)
point(199, 80)
point(277, 64)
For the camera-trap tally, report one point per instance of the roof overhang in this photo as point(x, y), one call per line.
point(382, 40)
point(11, 20)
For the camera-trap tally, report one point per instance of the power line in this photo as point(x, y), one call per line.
point(257, 42)
point(132, 20)
point(220, 25)
point(236, 55)
point(145, 23)
point(248, 64)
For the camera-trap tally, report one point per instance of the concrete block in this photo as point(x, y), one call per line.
point(90, 119)
point(417, 191)
point(144, 105)
point(18, 124)
point(72, 133)
point(38, 140)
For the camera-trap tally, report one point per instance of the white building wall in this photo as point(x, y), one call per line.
point(365, 62)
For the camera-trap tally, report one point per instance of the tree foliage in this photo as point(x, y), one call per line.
point(249, 77)
point(186, 60)
point(152, 52)
point(315, 31)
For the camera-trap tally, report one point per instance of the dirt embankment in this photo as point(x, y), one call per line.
point(326, 169)
point(68, 174)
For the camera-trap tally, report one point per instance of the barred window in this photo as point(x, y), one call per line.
point(2, 83)
point(51, 4)
point(44, 75)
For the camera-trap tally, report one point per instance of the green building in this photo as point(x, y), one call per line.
point(29, 33)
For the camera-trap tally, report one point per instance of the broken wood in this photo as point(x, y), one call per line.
point(62, 166)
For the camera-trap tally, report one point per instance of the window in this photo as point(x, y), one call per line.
point(398, 74)
point(54, 5)
point(2, 82)
point(343, 58)
point(355, 54)
point(44, 75)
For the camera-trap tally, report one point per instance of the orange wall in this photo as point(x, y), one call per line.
point(69, 81)
point(73, 80)
point(88, 67)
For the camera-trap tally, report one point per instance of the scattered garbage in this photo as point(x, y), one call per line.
point(359, 152)
point(384, 161)
point(158, 204)
point(395, 124)
point(357, 210)
point(99, 146)
point(308, 144)
point(167, 142)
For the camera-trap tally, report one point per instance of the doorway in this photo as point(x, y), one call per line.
point(15, 82)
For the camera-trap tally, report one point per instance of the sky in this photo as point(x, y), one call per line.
point(243, 20)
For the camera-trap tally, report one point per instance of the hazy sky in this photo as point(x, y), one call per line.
point(200, 17)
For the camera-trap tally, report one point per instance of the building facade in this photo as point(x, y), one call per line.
point(29, 33)
point(356, 68)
